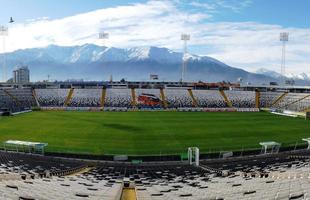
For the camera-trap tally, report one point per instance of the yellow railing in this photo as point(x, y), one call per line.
point(69, 97)
point(227, 101)
point(190, 92)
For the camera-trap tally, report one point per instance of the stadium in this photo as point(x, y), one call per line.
point(153, 140)
point(154, 100)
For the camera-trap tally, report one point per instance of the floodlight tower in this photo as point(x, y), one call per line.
point(4, 33)
point(103, 35)
point(284, 40)
point(185, 38)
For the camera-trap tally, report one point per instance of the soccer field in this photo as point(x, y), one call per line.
point(145, 133)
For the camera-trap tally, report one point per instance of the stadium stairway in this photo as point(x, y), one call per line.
point(133, 97)
point(163, 98)
point(69, 97)
point(129, 192)
point(257, 99)
point(80, 171)
point(34, 94)
point(279, 99)
point(190, 92)
point(103, 95)
point(227, 101)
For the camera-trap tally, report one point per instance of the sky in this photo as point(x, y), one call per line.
point(241, 33)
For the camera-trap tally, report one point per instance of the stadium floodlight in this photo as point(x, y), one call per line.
point(4, 32)
point(284, 39)
point(185, 38)
point(103, 35)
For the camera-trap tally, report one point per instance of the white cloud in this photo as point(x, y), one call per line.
point(247, 45)
point(207, 6)
point(219, 5)
point(234, 5)
point(253, 45)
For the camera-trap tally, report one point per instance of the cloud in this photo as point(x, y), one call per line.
point(207, 6)
point(248, 45)
point(252, 46)
point(215, 6)
point(152, 23)
point(234, 5)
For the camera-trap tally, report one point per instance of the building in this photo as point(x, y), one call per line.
point(21, 75)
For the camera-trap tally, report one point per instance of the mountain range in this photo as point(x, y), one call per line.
point(92, 62)
point(300, 79)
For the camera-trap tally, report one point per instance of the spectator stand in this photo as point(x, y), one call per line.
point(25, 146)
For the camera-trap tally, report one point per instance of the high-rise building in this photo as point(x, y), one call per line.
point(21, 75)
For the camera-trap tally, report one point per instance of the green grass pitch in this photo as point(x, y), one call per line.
point(146, 133)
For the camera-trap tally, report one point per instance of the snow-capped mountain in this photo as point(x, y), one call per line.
point(302, 77)
point(92, 62)
point(270, 73)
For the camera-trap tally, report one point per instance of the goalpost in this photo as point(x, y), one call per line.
point(270, 147)
point(193, 155)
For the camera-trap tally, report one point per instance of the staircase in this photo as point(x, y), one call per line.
point(34, 94)
point(227, 101)
point(129, 193)
point(69, 97)
point(133, 97)
point(163, 98)
point(190, 92)
point(103, 95)
point(257, 99)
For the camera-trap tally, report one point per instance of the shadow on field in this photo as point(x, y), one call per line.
point(123, 127)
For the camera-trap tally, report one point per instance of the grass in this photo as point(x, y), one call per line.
point(145, 133)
